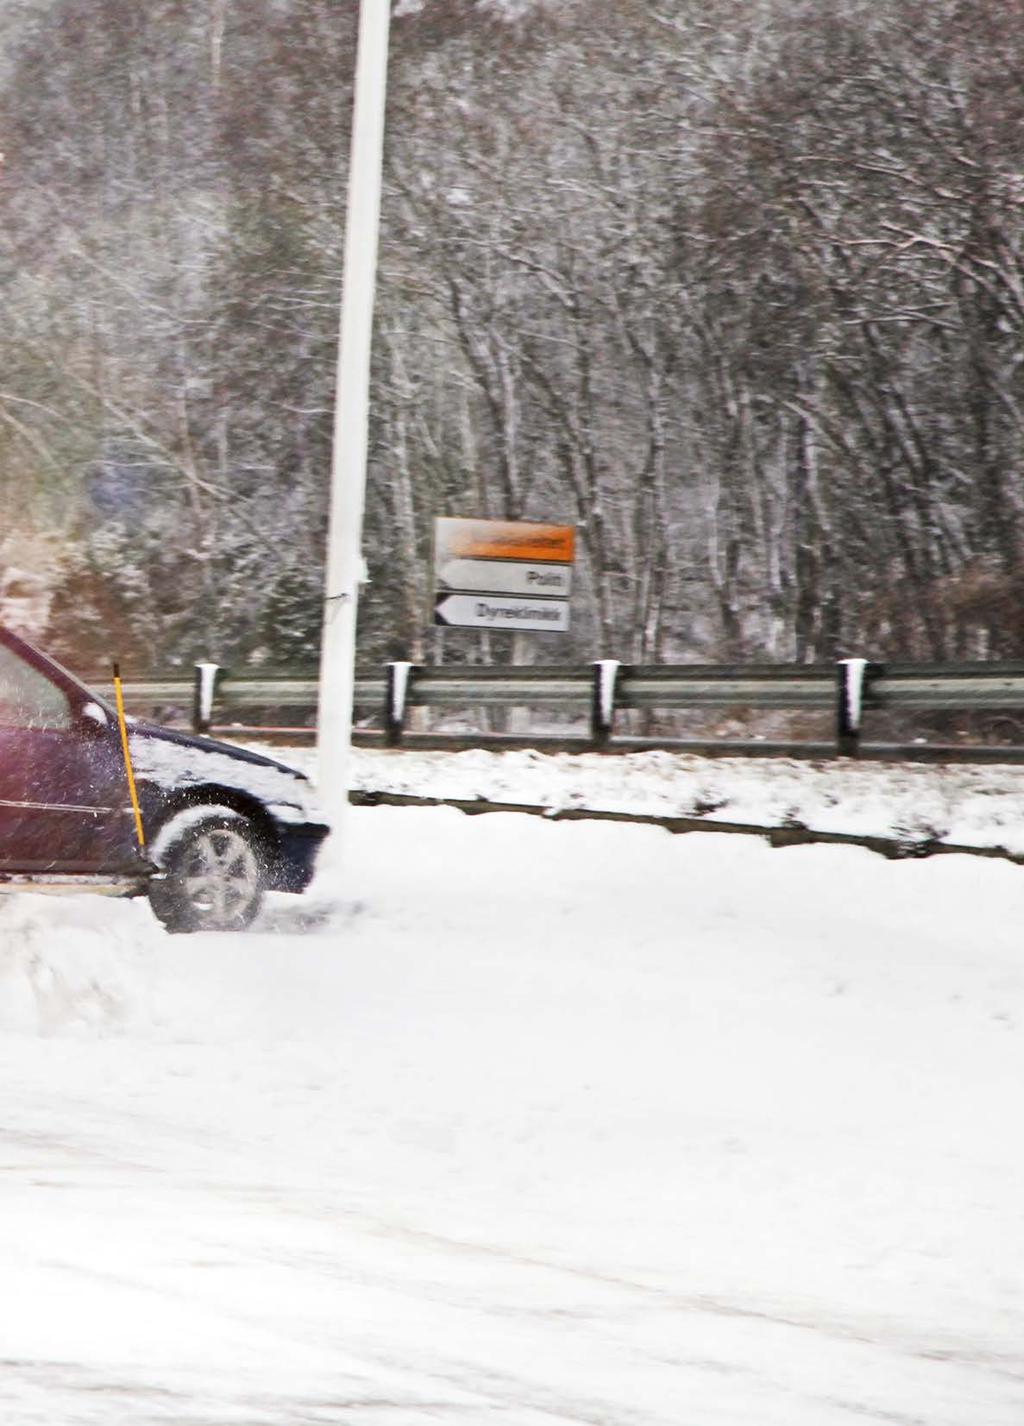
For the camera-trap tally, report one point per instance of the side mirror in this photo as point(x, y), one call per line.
point(92, 718)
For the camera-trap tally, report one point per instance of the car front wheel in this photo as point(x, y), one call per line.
point(211, 873)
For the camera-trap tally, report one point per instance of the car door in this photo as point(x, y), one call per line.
point(63, 791)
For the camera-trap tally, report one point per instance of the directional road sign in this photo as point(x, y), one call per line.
point(494, 611)
point(506, 577)
point(522, 568)
point(456, 538)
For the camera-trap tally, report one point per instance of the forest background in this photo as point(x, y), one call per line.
point(734, 286)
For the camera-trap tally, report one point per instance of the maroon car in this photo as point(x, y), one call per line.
point(221, 825)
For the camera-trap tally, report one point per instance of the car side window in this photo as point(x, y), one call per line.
point(27, 697)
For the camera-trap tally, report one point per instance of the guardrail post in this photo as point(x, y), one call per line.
point(855, 676)
point(394, 702)
point(204, 691)
point(602, 701)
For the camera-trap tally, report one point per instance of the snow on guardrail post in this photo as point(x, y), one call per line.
point(204, 691)
point(855, 677)
point(394, 702)
point(602, 703)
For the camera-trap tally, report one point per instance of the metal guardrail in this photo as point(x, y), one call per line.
point(217, 700)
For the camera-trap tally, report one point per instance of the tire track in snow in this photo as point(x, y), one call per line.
point(627, 1295)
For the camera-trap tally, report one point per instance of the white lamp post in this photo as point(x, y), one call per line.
point(351, 413)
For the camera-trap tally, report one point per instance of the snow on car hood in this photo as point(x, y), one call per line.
point(173, 760)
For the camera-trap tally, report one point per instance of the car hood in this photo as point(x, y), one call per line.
point(170, 759)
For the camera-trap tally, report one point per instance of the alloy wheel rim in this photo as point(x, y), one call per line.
point(221, 876)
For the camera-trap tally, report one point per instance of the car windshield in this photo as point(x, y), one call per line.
point(27, 697)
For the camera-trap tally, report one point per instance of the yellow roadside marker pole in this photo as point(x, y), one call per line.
point(119, 697)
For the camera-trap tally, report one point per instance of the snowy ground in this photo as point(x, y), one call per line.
point(524, 1122)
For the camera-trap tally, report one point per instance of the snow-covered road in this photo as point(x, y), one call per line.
point(526, 1122)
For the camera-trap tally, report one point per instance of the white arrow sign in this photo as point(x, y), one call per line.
point(506, 577)
point(478, 611)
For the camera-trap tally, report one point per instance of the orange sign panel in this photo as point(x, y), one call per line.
point(504, 540)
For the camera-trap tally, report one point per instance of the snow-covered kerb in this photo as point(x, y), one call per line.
point(963, 805)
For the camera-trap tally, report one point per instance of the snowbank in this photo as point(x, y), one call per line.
point(976, 806)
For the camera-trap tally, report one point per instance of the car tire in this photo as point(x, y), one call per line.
point(211, 871)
